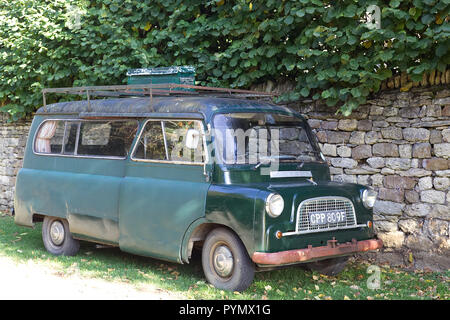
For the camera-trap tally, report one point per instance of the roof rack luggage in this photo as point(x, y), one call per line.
point(155, 90)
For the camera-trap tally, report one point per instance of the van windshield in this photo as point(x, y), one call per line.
point(255, 138)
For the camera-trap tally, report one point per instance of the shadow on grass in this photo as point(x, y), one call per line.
point(110, 263)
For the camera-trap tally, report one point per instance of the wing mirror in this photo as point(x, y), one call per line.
point(192, 138)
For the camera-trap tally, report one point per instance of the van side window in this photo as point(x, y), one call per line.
point(151, 143)
point(177, 141)
point(171, 140)
point(86, 138)
point(109, 139)
point(50, 137)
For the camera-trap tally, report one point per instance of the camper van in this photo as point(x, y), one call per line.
point(159, 173)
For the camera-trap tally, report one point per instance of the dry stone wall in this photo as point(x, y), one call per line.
point(13, 138)
point(398, 143)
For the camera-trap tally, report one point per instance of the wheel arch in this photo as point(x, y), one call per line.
point(198, 231)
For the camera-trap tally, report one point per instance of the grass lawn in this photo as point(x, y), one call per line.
point(22, 244)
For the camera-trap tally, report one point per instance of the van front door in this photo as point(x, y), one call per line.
point(164, 189)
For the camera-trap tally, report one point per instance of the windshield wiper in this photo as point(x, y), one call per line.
point(270, 159)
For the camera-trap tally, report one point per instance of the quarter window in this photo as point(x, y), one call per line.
point(50, 137)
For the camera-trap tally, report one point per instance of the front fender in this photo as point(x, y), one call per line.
point(229, 206)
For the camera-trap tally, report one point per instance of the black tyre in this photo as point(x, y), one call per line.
point(57, 238)
point(225, 261)
point(329, 267)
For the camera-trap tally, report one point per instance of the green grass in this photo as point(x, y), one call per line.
point(22, 244)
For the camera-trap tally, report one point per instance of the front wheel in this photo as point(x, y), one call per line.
point(57, 238)
point(329, 267)
point(225, 261)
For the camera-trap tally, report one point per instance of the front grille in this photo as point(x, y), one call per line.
point(324, 205)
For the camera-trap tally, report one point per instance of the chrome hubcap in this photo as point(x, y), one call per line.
point(57, 233)
point(223, 261)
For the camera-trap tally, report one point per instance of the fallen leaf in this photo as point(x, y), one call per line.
point(280, 292)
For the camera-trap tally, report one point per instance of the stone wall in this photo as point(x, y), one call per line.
point(398, 143)
point(13, 138)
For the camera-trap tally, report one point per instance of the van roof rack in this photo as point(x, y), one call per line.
point(156, 90)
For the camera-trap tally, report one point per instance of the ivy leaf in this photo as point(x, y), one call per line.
point(326, 94)
point(394, 3)
point(442, 49)
point(304, 92)
point(271, 52)
point(300, 13)
point(288, 20)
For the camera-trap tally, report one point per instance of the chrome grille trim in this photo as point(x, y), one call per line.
point(323, 204)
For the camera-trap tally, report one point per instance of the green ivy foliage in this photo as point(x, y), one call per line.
point(324, 47)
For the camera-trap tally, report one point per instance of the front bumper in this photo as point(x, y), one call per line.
point(332, 249)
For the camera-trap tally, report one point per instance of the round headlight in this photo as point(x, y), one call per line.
point(274, 205)
point(368, 198)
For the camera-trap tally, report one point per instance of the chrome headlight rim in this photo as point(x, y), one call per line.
point(368, 197)
point(270, 200)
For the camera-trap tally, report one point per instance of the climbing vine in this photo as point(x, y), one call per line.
point(326, 48)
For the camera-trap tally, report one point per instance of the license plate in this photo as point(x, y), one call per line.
point(318, 218)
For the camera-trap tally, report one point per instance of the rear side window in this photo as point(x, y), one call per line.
point(86, 138)
point(171, 140)
point(50, 137)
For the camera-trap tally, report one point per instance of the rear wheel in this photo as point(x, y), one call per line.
point(225, 261)
point(329, 267)
point(57, 238)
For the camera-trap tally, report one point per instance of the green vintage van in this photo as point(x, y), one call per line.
point(157, 175)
